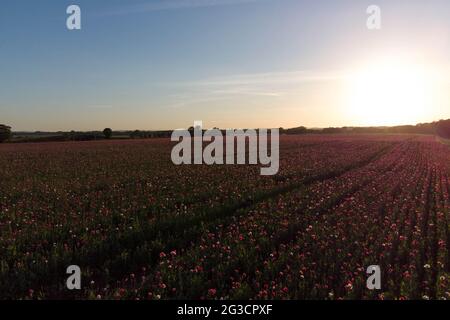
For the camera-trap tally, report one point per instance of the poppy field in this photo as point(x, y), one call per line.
point(140, 227)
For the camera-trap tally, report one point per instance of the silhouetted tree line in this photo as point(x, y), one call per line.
point(440, 128)
point(443, 128)
point(5, 132)
point(138, 134)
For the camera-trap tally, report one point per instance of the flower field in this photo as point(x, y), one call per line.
point(140, 227)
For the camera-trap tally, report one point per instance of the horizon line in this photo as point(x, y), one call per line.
point(275, 127)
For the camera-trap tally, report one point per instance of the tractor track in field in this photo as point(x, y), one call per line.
point(290, 235)
point(186, 228)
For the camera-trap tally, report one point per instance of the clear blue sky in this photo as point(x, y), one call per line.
point(162, 64)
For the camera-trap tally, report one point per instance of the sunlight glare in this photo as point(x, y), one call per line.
point(390, 93)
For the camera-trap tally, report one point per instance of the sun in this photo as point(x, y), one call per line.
point(390, 92)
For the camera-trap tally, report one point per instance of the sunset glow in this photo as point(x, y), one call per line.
point(391, 92)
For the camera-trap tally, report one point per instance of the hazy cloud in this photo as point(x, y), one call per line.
point(273, 78)
point(163, 5)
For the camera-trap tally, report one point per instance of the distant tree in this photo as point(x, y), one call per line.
point(107, 132)
point(5, 132)
point(72, 135)
point(298, 130)
point(136, 134)
point(443, 128)
point(191, 131)
point(330, 130)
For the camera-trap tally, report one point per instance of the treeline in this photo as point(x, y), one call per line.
point(440, 128)
point(5, 132)
point(61, 136)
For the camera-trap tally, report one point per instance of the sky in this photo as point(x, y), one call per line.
point(162, 64)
